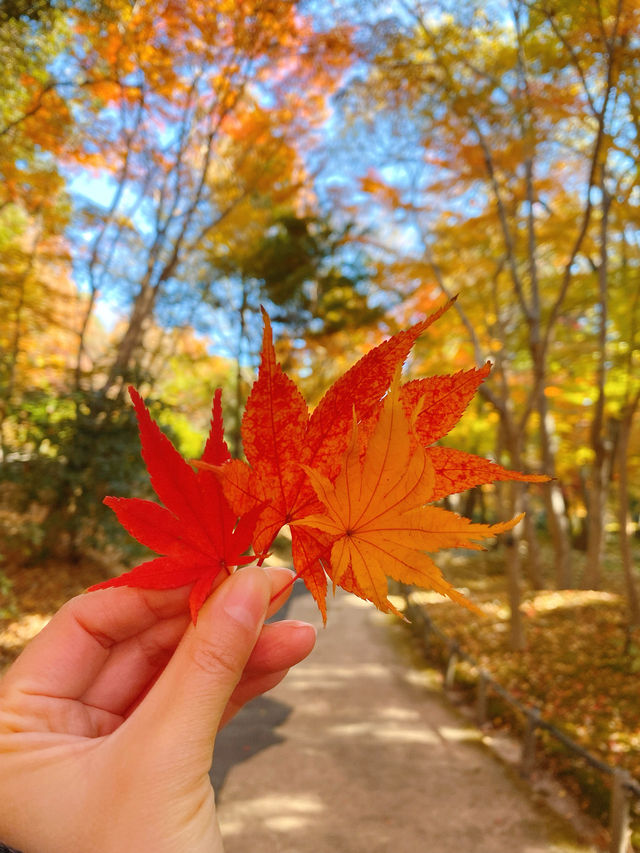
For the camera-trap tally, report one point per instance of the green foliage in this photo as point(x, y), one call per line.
point(310, 271)
point(8, 608)
point(68, 453)
point(38, 10)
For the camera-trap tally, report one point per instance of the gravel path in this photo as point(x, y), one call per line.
point(356, 752)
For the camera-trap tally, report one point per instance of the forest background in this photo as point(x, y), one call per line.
point(167, 167)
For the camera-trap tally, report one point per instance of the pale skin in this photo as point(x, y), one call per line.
point(108, 718)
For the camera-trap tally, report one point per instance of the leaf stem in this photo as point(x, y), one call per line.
point(285, 588)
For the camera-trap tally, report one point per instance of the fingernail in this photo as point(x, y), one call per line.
point(299, 625)
point(246, 600)
point(287, 574)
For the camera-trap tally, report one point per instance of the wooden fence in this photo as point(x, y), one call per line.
point(624, 787)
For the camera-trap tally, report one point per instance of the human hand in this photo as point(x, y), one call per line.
point(108, 718)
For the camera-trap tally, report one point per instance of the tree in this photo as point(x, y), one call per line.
point(294, 264)
point(156, 138)
point(488, 100)
point(596, 43)
point(502, 133)
point(200, 109)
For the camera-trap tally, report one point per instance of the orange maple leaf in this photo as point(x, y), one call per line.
point(375, 512)
point(278, 433)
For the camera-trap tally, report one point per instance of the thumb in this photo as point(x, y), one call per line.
point(184, 708)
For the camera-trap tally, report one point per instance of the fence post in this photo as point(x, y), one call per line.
point(426, 633)
point(624, 786)
point(481, 698)
point(528, 756)
point(619, 813)
point(450, 671)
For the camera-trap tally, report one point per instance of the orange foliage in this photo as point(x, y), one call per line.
point(375, 512)
point(352, 479)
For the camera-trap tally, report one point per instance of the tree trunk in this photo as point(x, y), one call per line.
point(557, 518)
point(513, 540)
point(533, 563)
point(13, 353)
point(514, 574)
point(624, 516)
point(592, 577)
point(600, 444)
point(142, 311)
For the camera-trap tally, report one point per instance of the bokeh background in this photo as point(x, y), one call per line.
point(168, 167)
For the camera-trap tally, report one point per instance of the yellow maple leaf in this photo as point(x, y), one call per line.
point(375, 510)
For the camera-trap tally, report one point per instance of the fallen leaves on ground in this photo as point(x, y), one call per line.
point(581, 669)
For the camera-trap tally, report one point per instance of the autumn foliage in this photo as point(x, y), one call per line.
point(354, 480)
point(195, 530)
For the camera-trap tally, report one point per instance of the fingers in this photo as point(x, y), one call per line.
point(106, 646)
point(70, 652)
point(183, 710)
point(134, 664)
point(282, 580)
point(279, 647)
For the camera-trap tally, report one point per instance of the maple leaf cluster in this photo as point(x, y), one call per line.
point(355, 480)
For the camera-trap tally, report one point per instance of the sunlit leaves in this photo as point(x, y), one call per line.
point(194, 530)
point(360, 459)
point(352, 480)
point(375, 512)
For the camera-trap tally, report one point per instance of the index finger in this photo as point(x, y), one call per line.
point(76, 649)
point(69, 652)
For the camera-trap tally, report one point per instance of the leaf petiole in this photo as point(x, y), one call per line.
point(287, 586)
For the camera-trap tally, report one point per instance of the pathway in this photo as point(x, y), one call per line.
point(356, 752)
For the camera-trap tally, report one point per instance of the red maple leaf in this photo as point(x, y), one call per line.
point(279, 434)
point(281, 439)
point(196, 529)
point(298, 470)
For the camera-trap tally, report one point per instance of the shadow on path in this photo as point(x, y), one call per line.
point(356, 752)
point(251, 730)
